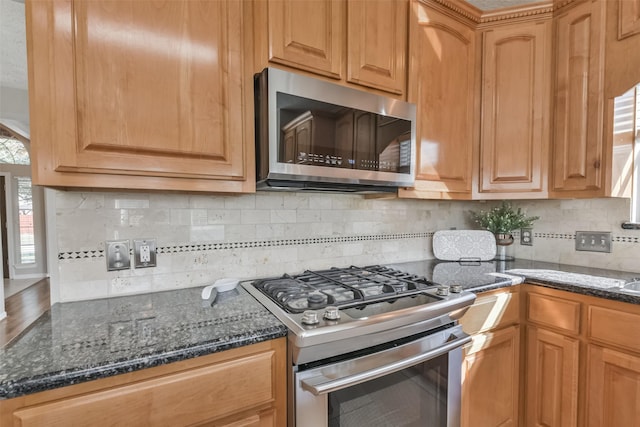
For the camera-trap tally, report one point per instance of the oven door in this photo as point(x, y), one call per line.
point(412, 384)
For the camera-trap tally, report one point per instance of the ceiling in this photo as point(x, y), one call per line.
point(13, 48)
point(497, 4)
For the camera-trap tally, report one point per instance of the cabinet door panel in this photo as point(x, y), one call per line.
point(578, 162)
point(377, 39)
point(307, 35)
point(490, 384)
point(628, 18)
point(613, 385)
point(552, 379)
point(140, 89)
point(515, 109)
point(441, 84)
point(178, 399)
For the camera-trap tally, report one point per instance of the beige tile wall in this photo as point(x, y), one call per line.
point(246, 236)
point(203, 238)
point(559, 220)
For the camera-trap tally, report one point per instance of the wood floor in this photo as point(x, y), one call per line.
point(23, 309)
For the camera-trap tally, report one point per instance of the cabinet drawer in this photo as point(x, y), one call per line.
point(184, 398)
point(614, 327)
point(556, 313)
point(492, 311)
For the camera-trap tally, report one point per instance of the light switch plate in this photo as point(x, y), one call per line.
point(144, 253)
point(593, 241)
point(118, 255)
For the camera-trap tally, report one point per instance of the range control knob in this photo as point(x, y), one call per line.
point(442, 290)
point(310, 317)
point(331, 313)
point(456, 289)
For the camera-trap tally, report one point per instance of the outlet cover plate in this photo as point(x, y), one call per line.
point(144, 253)
point(593, 241)
point(526, 236)
point(118, 255)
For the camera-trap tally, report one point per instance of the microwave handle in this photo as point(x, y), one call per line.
point(320, 384)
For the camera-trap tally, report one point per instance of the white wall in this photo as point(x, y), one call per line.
point(14, 109)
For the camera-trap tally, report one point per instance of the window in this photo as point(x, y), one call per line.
point(25, 221)
point(626, 142)
point(13, 151)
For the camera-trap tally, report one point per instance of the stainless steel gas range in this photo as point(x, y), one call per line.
point(369, 346)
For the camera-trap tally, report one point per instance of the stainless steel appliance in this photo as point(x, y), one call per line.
point(369, 346)
point(312, 134)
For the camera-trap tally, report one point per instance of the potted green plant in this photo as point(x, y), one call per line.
point(502, 220)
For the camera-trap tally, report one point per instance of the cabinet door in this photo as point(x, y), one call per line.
point(195, 396)
point(441, 84)
point(552, 379)
point(613, 388)
point(490, 384)
point(144, 94)
point(377, 44)
point(308, 35)
point(628, 18)
point(514, 140)
point(578, 162)
point(262, 419)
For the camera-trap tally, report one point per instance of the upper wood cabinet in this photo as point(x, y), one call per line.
point(377, 44)
point(143, 95)
point(308, 35)
point(442, 63)
point(579, 157)
point(354, 42)
point(514, 143)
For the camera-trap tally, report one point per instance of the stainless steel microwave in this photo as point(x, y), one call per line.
point(316, 135)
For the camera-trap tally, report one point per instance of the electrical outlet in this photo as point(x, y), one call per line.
point(526, 236)
point(147, 334)
point(144, 253)
point(118, 255)
point(593, 241)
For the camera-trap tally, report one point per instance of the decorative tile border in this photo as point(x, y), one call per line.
point(81, 254)
point(206, 247)
point(562, 236)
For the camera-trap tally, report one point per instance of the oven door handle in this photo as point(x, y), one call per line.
point(321, 384)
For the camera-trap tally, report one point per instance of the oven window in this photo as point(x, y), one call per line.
point(416, 396)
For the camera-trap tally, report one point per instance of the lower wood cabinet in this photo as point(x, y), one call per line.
point(551, 378)
point(613, 397)
point(490, 379)
point(491, 361)
point(239, 387)
point(545, 357)
point(583, 360)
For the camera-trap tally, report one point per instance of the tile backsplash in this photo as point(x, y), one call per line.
point(554, 233)
point(201, 238)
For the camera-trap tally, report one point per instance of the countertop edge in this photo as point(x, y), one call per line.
point(613, 295)
point(50, 381)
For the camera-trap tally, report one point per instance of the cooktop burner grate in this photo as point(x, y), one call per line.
point(340, 287)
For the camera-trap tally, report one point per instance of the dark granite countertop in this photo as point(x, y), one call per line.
point(484, 276)
point(81, 341)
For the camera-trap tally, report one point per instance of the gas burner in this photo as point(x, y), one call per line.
point(340, 287)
